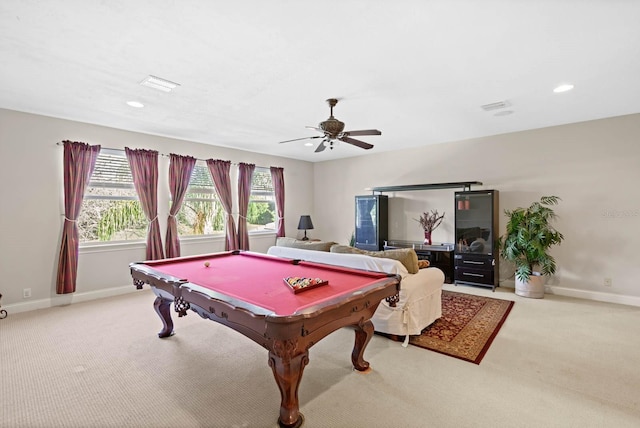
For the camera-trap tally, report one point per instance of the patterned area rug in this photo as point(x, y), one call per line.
point(467, 327)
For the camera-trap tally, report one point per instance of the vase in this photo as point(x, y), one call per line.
point(427, 237)
point(533, 288)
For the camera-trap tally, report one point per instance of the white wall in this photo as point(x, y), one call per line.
point(31, 210)
point(593, 166)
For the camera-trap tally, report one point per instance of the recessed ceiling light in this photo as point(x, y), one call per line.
point(136, 104)
point(159, 83)
point(563, 88)
point(504, 113)
point(309, 144)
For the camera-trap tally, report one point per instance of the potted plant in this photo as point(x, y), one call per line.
point(529, 235)
point(429, 222)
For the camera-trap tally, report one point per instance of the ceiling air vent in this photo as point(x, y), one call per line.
point(159, 84)
point(495, 106)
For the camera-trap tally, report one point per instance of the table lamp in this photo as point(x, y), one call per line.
point(305, 224)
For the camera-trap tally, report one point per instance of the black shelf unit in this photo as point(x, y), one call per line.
point(372, 222)
point(476, 227)
point(465, 185)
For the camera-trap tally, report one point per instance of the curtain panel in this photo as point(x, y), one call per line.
point(180, 169)
point(144, 169)
point(79, 162)
point(245, 175)
point(277, 178)
point(220, 173)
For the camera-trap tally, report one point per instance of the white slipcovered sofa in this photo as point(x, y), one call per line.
point(420, 301)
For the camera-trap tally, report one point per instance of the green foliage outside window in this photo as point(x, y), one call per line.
point(119, 217)
point(111, 210)
point(200, 217)
point(111, 220)
point(201, 212)
point(260, 213)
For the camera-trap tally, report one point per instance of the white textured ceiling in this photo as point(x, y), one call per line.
point(253, 73)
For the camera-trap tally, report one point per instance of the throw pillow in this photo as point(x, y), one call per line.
point(406, 256)
point(423, 264)
point(283, 241)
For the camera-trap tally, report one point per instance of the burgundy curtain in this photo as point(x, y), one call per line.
point(79, 161)
point(245, 176)
point(180, 169)
point(219, 170)
point(144, 168)
point(277, 178)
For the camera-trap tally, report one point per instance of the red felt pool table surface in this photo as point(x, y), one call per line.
point(259, 279)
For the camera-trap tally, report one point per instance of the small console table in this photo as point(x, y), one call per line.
point(439, 255)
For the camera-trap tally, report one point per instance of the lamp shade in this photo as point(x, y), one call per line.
point(305, 223)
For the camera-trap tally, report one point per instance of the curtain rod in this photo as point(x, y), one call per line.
point(59, 143)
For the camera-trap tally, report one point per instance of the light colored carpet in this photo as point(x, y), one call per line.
point(556, 362)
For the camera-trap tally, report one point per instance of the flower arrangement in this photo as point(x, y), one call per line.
point(430, 221)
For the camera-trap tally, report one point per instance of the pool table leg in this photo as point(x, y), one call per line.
point(364, 333)
point(287, 370)
point(163, 309)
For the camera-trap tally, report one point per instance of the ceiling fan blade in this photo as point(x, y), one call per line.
point(363, 132)
point(321, 147)
point(358, 143)
point(315, 128)
point(298, 139)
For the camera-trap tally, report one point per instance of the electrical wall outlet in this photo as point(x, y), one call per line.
point(26, 293)
point(607, 282)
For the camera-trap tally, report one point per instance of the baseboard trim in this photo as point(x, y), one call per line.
point(595, 295)
point(68, 299)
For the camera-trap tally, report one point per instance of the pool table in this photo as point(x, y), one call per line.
point(246, 291)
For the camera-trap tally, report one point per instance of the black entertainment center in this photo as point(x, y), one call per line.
point(472, 259)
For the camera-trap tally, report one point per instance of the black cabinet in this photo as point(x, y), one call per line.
point(372, 224)
point(440, 256)
point(476, 227)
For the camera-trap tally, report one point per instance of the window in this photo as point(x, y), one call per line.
point(110, 209)
point(201, 212)
point(261, 213)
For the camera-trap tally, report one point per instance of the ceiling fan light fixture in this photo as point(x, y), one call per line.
point(333, 132)
point(332, 126)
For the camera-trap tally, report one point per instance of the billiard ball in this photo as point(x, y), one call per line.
point(206, 264)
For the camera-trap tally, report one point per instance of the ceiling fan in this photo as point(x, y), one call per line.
point(332, 129)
